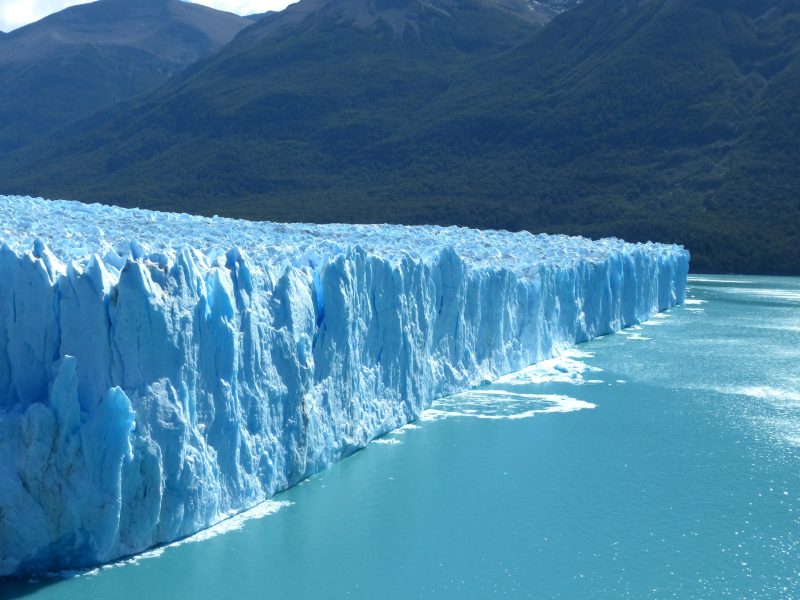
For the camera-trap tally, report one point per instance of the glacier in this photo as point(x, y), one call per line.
point(161, 372)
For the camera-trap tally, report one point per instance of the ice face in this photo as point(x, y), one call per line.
point(159, 372)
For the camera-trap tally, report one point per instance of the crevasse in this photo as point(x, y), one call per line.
point(159, 372)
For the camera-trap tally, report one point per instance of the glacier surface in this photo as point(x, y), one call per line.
point(160, 372)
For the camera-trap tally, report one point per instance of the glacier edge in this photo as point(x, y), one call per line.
point(150, 389)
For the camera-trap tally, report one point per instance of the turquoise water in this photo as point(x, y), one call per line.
point(660, 462)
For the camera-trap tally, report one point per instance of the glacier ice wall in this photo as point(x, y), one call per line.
point(159, 372)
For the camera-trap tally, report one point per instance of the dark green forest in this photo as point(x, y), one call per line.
point(664, 120)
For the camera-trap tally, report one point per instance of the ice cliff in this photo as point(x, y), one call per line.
point(159, 372)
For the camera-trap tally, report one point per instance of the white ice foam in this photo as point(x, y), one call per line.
point(638, 336)
point(509, 407)
point(697, 279)
point(499, 404)
point(567, 368)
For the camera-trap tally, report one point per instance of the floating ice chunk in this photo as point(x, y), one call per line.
point(638, 336)
point(388, 441)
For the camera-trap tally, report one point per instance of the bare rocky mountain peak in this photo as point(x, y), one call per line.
point(398, 14)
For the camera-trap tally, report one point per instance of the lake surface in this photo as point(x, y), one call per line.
point(659, 462)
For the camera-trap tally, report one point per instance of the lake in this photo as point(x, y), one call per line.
point(659, 462)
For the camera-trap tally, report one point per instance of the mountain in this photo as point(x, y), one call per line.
point(673, 120)
point(666, 120)
point(399, 14)
point(352, 68)
point(259, 16)
point(74, 62)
